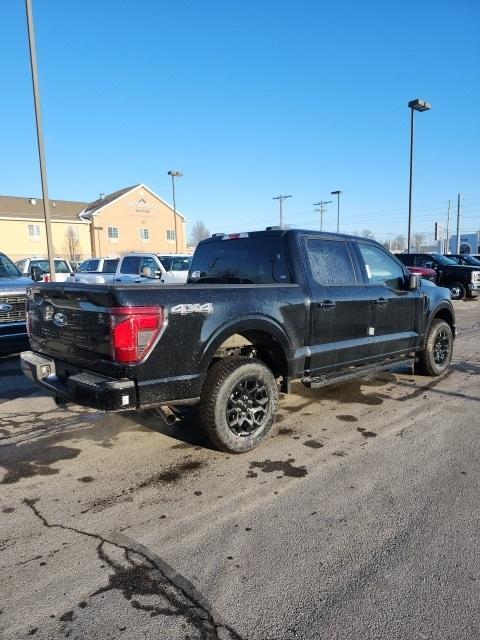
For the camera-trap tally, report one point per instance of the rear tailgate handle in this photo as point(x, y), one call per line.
point(326, 304)
point(380, 301)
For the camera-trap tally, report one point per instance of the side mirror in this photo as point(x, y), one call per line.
point(414, 282)
point(36, 274)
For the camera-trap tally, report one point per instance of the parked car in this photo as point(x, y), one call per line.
point(464, 258)
point(259, 309)
point(95, 270)
point(462, 280)
point(424, 272)
point(137, 268)
point(13, 295)
point(63, 268)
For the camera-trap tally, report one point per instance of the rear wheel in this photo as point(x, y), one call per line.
point(457, 291)
point(436, 356)
point(238, 405)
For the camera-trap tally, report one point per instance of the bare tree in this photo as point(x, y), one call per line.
point(199, 232)
point(72, 243)
point(418, 241)
point(399, 243)
point(366, 233)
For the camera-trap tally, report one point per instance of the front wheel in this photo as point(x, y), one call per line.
point(436, 356)
point(238, 404)
point(457, 291)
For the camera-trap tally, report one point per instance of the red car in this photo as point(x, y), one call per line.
point(424, 272)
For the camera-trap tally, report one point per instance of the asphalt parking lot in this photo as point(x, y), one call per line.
point(358, 519)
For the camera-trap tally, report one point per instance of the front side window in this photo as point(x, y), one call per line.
point(22, 265)
point(149, 267)
point(381, 268)
point(113, 233)
point(88, 265)
point(144, 234)
point(110, 266)
point(34, 231)
point(170, 234)
point(61, 266)
point(131, 264)
point(330, 262)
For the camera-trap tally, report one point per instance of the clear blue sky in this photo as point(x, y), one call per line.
point(249, 99)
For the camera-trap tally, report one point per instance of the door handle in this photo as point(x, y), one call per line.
point(118, 279)
point(138, 281)
point(326, 304)
point(380, 301)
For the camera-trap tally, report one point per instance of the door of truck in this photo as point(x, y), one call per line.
point(396, 319)
point(340, 306)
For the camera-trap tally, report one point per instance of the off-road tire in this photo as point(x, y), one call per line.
point(222, 380)
point(430, 363)
point(457, 291)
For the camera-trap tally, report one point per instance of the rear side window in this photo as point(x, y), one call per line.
point(240, 261)
point(330, 262)
point(131, 264)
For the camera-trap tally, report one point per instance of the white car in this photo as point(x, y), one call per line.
point(136, 268)
point(63, 269)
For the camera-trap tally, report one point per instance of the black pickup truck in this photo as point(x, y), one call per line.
point(259, 310)
point(462, 280)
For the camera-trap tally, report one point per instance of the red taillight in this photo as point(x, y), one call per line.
point(134, 330)
point(46, 278)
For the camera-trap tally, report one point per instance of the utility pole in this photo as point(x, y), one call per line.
point(322, 210)
point(280, 199)
point(458, 224)
point(41, 146)
point(447, 239)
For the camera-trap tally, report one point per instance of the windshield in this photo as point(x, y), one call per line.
point(7, 268)
point(88, 265)
point(175, 263)
point(442, 259)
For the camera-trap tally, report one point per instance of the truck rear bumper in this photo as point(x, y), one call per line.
point(84, 388)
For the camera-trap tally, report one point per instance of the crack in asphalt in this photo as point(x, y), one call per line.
point(152, 577)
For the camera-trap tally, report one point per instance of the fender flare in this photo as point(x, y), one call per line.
point(432, 315)
point(250, 323)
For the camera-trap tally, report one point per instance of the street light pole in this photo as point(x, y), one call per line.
point(280, 202)
point(40, 143)
point(414, 105)
point(337, 193)
point(175, 174)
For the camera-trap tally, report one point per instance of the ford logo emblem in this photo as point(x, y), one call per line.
point(5, 307)
point(60, 319)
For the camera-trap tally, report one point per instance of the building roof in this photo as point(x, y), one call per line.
point(32, 208)
point(92, 207)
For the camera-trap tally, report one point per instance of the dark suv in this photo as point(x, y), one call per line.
point(462, 280)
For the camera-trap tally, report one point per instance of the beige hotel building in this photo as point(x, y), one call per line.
point(131, 219)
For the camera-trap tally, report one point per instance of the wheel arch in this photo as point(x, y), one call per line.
point(264, 334)
point(445, 313)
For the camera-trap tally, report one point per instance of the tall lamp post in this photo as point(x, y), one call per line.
point(175, 174)
point(40, 143)
point(337, 193)
point(414, 105)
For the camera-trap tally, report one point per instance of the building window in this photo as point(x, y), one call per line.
point(144, 234)
point(34, 231)
point(170, 234)
point(113, 234)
